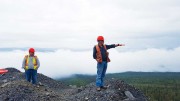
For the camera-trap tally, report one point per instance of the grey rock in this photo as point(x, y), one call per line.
point(129, 95)
point(47, 93)
point(4, 81)
point(5, 84)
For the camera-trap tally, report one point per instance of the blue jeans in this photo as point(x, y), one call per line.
point(101, 71)
point(31, 75)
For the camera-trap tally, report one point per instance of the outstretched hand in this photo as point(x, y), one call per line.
point(120, 44)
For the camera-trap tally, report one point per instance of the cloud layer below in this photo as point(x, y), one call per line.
point(62, 63)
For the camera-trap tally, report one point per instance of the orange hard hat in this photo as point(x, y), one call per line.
point(100, 38)
point(31, 50)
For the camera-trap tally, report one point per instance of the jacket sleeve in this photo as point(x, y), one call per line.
point(110, 46)
point(38, 63)
point(23, 63)
point(94, 52)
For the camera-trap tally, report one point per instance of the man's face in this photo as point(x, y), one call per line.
point(31, 53)
point(101, 42)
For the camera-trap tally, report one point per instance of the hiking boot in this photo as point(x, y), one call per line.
point(98, 89)
point(103, 87)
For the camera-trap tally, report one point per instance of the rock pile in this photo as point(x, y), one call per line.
point(117, 91)
point(14, 87)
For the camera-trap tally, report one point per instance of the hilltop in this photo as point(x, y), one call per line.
point(14, 87)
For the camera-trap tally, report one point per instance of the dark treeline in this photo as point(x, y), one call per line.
point(158, 86)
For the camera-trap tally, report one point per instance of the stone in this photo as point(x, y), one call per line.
point(129, 95)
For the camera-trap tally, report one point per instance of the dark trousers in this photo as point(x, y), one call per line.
point(31, 75)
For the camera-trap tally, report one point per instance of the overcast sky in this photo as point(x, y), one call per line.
point(68, 30)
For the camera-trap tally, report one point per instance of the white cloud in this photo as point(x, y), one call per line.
point(71, 26)
point(65, 62)
point(27, 23)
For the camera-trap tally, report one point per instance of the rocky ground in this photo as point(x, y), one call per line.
point(14, 87)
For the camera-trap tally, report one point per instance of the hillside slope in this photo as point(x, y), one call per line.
point(14, 87)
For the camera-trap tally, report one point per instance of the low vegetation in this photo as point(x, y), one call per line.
point(156, 85)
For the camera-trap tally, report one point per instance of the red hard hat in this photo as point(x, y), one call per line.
point(31, 50)
point(100, 38)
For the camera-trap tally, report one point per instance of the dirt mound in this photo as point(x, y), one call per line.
point(14, 87)
point(15, 75)
point(24, 91)
point(117, 91)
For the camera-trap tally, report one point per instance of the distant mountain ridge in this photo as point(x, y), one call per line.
point(85, 79)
